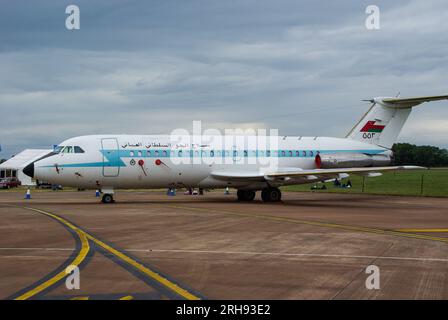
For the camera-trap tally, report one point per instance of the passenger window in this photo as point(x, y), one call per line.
point(245, 153)
point(179, 154)
point(78, 149)
point(304, 153)
point(283, 153)
point(148, 153)
point(164, 153)
point(290, 153)
point(212, 153)
point(131, 153)
point(311, 153)
point(297, 154)
point(268, 153)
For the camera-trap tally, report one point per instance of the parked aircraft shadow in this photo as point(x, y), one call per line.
point(332, 201)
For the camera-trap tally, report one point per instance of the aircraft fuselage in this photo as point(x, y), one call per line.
point(136, 161)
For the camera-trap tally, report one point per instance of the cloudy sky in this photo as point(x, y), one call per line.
point(148, 67)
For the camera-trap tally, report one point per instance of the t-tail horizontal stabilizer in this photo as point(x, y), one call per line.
point(411, 102)
point(382, 123)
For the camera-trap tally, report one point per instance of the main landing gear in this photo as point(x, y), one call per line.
point(267, 194)
point(245, 195)
point(271, 194)
point(107, 198)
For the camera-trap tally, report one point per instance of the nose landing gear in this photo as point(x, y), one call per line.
point(107, 198)
point(108, 195)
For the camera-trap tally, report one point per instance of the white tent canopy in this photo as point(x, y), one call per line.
point(14, 166)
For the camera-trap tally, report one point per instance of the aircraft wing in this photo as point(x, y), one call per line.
point(408, 102)
point(313, 174)
point(325, 173)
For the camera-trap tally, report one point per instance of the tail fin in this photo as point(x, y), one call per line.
point(382, 123)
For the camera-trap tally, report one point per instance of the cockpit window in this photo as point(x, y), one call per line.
point(58, 149)
point(78, 149)
point(67, 149)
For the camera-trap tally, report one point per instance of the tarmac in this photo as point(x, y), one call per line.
point(148, 245)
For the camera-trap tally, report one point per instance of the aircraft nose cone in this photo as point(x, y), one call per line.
point(29, 170)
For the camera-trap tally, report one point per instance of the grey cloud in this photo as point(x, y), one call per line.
point(151, 66)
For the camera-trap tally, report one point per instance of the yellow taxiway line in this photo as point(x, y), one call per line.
point(80, 298)
point(85, 249)
point(61, 275)
point(154, 275)
point(422, 230)
point(389, 232)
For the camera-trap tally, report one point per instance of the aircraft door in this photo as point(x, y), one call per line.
point(111, 157)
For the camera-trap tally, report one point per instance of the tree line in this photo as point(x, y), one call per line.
point(426, 156)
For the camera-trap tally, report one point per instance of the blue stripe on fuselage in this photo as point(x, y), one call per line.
point(114, 157)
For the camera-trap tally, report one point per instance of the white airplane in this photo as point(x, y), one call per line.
point(107, 162)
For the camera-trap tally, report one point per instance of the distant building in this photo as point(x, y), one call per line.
point(14, 166)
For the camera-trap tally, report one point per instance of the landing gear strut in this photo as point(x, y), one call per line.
point(107, 198)
point(271, 194)
point(245, 195)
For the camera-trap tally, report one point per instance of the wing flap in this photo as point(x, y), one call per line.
point(238, 175)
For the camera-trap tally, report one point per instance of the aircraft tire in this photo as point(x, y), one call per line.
point(246, 195)
point(271, 195)
point(107, 198)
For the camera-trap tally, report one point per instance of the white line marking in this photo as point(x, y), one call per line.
point(250, 253)
point(295, 254)
point(30, 257)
